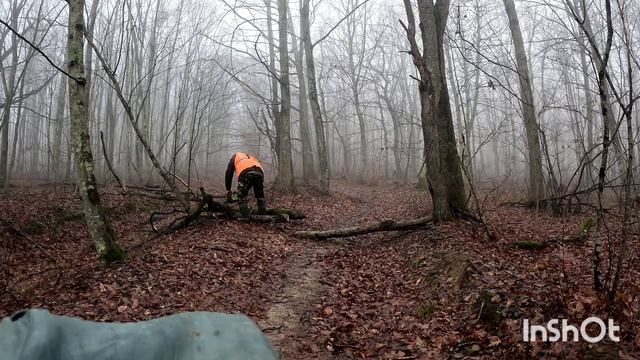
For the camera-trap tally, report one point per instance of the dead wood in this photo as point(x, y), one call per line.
point(156, 193)
point(386, 225)
point(206, 203)
point(108, 161)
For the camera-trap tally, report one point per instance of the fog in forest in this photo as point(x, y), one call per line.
point(202, 80)
point(472, 156)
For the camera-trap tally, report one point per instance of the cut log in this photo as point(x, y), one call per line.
point(387, 225)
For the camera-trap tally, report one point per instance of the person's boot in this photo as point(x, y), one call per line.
point(262, 206)
point(244, 208)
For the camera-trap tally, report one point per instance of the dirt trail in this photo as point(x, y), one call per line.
point(283, 323)
point(283, 318)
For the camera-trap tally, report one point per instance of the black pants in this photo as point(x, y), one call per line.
point(249, 180)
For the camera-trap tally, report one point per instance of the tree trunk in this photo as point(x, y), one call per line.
point(308, 164)
point(601, 57)
point(4, 141)
point(9, 94)
point(536, 179)
point(397, 133)
point(285, 180)
point(397, 129)
point(16, 130)
point(443, 166)
point(587, 95)
point(323, 164)
point(164, 117)
point(355, 92)
point(385, 137)
point(628, 186)
point(57, 141)
point(97, 221)
point(457, 104)
point(618, 151)
point(273, 106)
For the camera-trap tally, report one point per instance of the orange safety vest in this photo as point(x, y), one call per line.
point(244, 161)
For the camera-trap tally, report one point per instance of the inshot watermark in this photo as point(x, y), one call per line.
point(557, 330)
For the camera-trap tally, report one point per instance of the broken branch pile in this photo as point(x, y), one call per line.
point(206, 203)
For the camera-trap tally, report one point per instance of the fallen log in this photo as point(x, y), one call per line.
point(270, 215)
point(386, 225)
point(291, 213)
point(222, 206)
point(220, 209)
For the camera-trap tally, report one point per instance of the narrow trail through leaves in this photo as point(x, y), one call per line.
point(304, 285)
point(428, 294)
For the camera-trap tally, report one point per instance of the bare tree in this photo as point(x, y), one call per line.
point(603, 56)
point(98, 223)
point(285, 179)
point(536, 179)
point(443, 166)
point(308, 164)
point(323, 165)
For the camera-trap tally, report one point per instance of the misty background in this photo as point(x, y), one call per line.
point(202, 79)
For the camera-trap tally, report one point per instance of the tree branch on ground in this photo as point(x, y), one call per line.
point(206, 203)
point(386, 225)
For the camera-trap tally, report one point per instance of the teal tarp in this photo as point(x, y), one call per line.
point(39, 335)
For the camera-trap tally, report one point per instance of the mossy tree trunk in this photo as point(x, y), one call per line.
point(97, 222)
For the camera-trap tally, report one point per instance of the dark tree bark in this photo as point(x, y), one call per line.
point(443, 166)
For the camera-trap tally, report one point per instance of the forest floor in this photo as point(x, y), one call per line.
point(443, 292)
